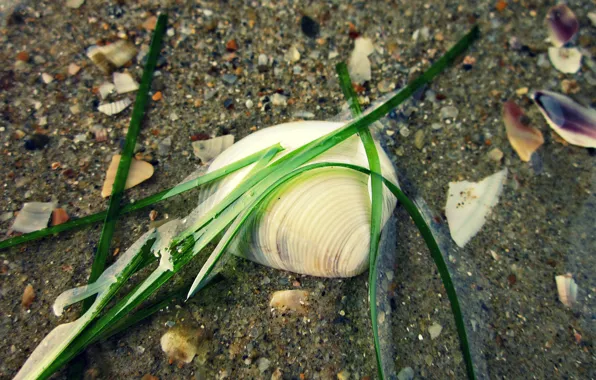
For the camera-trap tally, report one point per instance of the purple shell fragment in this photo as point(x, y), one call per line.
point(573, 122)
point(562, 24)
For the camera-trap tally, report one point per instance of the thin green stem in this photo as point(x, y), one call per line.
point(376, 206)
point(134, 128)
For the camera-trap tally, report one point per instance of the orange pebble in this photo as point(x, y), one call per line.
point(501, 5)
point(157, 96)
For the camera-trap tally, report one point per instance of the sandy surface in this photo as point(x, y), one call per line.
point(543, 225)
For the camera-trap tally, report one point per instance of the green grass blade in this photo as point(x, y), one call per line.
point(138, 114)
point(376, 206)
point(145, 202)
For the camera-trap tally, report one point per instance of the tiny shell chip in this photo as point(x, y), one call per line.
point(562, 24)
point(468, 204)
point(291, 300)
point(124, 82)
point(33, 216)
point(566, 60)
point(359, 65)
point(138, 172)
point(567, 289)
point(207, 150)
point(115, 107)
point(523, 138)
point(573, 122)
point(180, 344)
point(105, 89)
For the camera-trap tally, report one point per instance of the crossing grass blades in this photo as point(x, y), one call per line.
point(225, 219)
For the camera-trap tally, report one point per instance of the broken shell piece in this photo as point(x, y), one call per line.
point(111, 56)
point(290, 300)
point(139, 172)
point(124, 82)
point(566, 60)
point(468, 204)
point(59, 216)
point(573, 122)
point(592, 17)
point(207, 150)
point(28, 296)
point(33, 216)
point(115, 107)
point(567, 289)
point(74, 4)
point(562, 24)
point(359, 66)
point(105, 89)
point(101, 134)
point(523, 138)
point(181, 344)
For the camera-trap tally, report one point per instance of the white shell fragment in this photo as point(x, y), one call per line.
point(468, 204)
point(566, 60)
point(318, 223)
point(74, 4)
point(359, 65)
point(124, 82)
point(290, 300)
point(435, 330)
point(115, 107)
point(139, 171)
point(207, 150)
point(33, 216)
point(180, 344)
point(292, 55)
point(105, 89)
point(567, 289)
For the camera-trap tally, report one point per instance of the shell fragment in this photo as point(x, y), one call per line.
point(566, 60)
point(523, 138)
point(33, 216)
point(469, 203)
point(139, 172)
point(124, 82)
point(115, 107)
point(207, 150)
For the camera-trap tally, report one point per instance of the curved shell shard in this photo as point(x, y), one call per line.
point(573, 122)
point(524, 139)
point(562, 24)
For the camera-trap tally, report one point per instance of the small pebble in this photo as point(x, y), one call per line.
point(385, 86)
point(157, 96)
point(229, 103)
point(279, 100)
point(229, 78)
point(59, 216)
point(304, 115)
point(249, 103)
point(406, 374)
point(262, 63)
point(569, 86)
point(495, 154)
point(292, 55)
point(23, 56)
point(28, 296)
point(521, 91)
point(263, 364)
point(74, 4)
point(47, 78)
point(436, 126)
point(231, 45)
point(150, 23)
point(419, 139)
point(309, 27)
point(73, 69)
point(449, 112)
point(404, 131)
point(343, 375)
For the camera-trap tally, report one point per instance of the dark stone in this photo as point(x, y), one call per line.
point(229, 103)
point(36, 142)
point(309, 27)
point(115, 11)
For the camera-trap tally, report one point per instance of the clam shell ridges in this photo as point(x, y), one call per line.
point(318, 223)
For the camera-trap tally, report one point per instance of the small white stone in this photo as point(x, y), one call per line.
point(47, 78)
point(292, 55)
point(73, 69)
point(74, 4)
point(279, 100)
point(249, 103)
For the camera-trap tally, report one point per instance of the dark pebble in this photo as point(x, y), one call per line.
point(36, 142)
point(229, 103)
point(115, 11)
point(309, 27)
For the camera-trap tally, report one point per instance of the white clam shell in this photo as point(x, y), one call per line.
point(318, 223)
